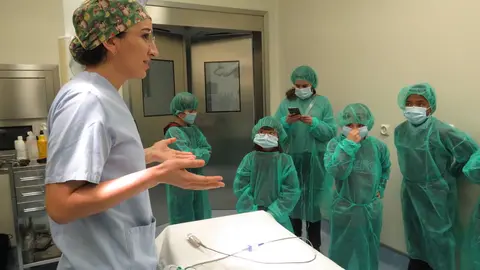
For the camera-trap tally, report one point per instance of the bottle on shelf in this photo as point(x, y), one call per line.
point(32, 147)
point(43, 127)
point(42, 148)
point(20, 148)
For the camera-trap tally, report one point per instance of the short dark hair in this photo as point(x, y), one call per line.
point(93, 57)
point(265, 128)
point(291, 93)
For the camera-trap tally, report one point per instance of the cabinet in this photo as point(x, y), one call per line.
point(35, 246)
point(27, 91)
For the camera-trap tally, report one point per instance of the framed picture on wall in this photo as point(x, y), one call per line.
point(222, 86)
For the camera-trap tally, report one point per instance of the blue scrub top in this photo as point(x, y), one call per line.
point(93, 137)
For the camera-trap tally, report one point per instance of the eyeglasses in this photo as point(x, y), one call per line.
point(149, 38)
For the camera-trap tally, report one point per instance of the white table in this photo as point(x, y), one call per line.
point(231, 234)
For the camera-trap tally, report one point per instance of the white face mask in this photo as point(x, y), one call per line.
point(190, 118)
point(363, 131)
point(303, 93)
point(266, 141)
point(75, 68)
point(415, 115)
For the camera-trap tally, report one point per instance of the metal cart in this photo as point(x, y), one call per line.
point(35, 246)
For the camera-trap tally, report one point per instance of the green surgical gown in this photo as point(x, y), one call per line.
point(188, 205)
point(269, 180)
point(430, 156)
point(307, 144)
point(470, 251)
point(361, 171)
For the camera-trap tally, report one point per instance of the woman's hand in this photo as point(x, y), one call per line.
point(293, 118)
point(160, 152)
point(306, 119)
point(173, 172)
point(354, 135)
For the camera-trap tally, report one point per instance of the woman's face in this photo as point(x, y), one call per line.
point(418, 101)
point(184, 113)
point(302, 84)
point(355, 126)
point(269, 131)
point(131, 54)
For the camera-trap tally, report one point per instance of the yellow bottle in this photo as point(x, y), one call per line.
point(42, 148)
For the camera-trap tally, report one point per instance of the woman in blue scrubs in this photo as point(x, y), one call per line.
point(96, 181)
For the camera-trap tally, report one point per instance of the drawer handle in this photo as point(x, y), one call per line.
point(34, 209)
point(30, 178)
point(33, 193)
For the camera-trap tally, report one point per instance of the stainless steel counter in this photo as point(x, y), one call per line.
point(34, 244)
point(6, 213)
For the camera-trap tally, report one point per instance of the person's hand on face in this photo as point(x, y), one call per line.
point(173, 172)
point(160, 152)
point(291, 118)
point(306, 119)
point(354, 135)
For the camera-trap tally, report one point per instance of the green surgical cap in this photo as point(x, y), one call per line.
point(356, 113)
point(271, 122)
point(423, 89)
point(305, 73)
point(182, 102)
point(97, 21)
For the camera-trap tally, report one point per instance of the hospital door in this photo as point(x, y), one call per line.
point(222, 79)
point(149, 101)
point(150, 98)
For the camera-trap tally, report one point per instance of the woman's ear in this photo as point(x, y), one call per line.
point(111, 45)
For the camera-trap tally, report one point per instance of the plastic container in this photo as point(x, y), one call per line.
point(43, 127)
point(32, 147)
point(20, 148)
point(42, 148)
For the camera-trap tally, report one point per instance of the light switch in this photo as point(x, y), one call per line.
point(385, 129)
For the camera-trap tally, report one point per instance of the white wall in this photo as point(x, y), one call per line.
point(28, 35)
point(366, 51)
point(29, 31)
point(68, 7)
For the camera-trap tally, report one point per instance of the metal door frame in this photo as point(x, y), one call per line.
point(162, 13)
point(191, 6)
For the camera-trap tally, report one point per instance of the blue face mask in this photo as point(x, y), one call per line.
point(266, 141)
point(363, 131)
point(415, 115)
point(303, 93)
point(190, 118)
